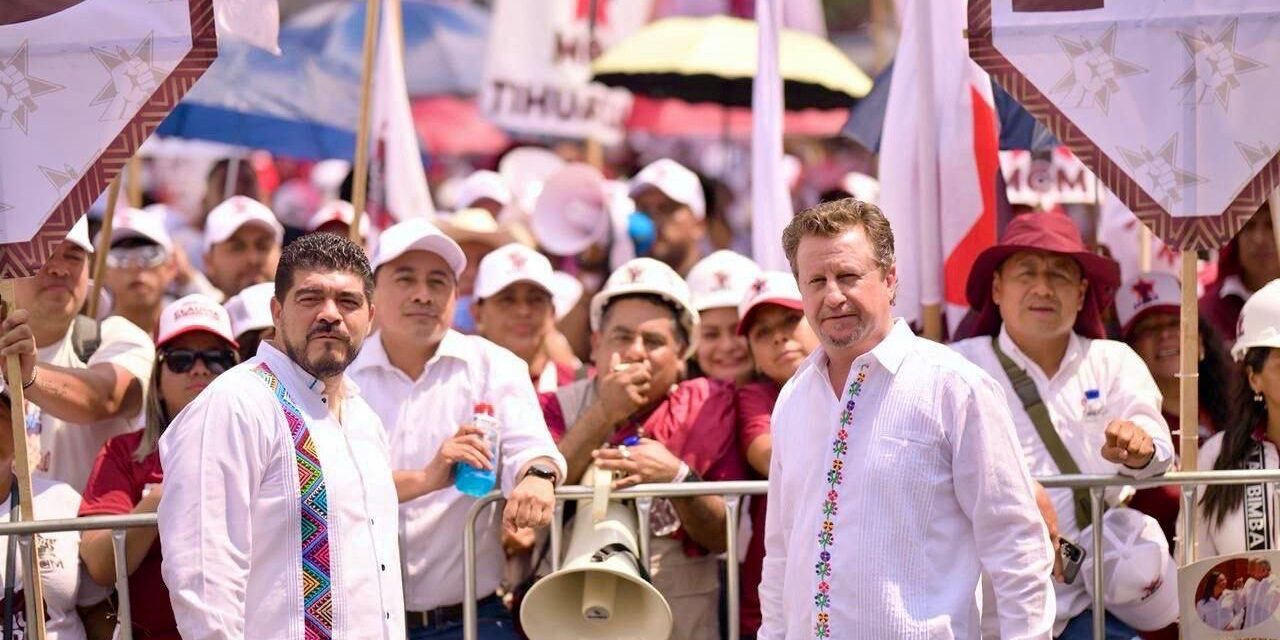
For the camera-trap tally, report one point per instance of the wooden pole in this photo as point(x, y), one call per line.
point(1144, 248)
point(135, 181)
point(100, 255)
point(360, 180)
point(933, 322)
point(1273, 203)
point(1189, 377)
point(22, 469)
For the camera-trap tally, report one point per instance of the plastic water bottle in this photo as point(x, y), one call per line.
point(468, 479)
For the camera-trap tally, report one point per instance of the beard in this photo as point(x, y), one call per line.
point(861, 329)
point(327, 364)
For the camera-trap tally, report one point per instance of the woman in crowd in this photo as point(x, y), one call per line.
point(717, 284)
point(194, 345)
point(780, 339)
point(1218, 605)
point(1239, 278)
point(1148, 308)
point(1249, 441)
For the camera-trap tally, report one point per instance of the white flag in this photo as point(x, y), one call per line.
point(938, 159)
point(256, 22)
point(392, 125)
point(770, 197)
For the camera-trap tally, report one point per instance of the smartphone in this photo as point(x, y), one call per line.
point(1072, 556)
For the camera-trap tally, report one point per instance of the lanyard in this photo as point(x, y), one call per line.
point(1257, 517)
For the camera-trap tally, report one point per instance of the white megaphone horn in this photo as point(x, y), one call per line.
point(602, 591)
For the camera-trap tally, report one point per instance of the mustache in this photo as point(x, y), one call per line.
point(328, 330)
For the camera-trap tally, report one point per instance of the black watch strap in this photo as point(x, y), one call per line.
point(543, 471)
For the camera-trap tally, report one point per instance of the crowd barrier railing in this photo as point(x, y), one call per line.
point(644, 496)
point(733, 492)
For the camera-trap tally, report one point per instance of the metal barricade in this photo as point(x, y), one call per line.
point(733, 491)
point(644, 495)
point(117, 525)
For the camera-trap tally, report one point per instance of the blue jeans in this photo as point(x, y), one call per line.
point(1081, 628)
point(494, 623)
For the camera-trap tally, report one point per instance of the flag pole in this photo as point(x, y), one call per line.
point(135, 181)
point(100, 256)
point(22, 470)
point(361, 178)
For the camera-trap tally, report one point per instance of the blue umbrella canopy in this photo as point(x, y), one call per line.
point(304, 103)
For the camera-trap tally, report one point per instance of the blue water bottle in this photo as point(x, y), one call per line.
point(468, 479)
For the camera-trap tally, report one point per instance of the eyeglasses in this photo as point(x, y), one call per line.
point(143, 257)
point(183, 360)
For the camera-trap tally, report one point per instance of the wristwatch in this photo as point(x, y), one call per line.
point(543, 471)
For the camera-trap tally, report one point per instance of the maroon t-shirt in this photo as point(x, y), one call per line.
point(696, 423)
point(115, 488)
point(755, 412)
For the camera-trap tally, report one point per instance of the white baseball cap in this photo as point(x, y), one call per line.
point(646, 275)
point(674, 180)
point(1140, 576)
point(1259, 323)
point(417, 234)
point(481, 184)
point(721, 280)
point(139, 223)
point(235, 212)
point(79, 234)
point(510, 264)
point(1147, 293)
point(196, 312)
point(861, 186)
point(572, 210)
point(566, 291)
point(250, 309)
point(337, 211)
point(770, 287)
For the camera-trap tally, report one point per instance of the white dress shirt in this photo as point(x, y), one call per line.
point(933, 493)
point(231, 518)
point(1125, 391)
point(419, 416)
point(1261, 599)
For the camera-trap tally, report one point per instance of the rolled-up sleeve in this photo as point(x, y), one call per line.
point(525, 435)
point(994, 489)
point(1137, 398)
point(214, 455)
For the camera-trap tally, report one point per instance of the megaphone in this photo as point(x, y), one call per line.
point(602, 590)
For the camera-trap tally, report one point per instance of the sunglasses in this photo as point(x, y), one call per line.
point(143, 257)
point(183, 360)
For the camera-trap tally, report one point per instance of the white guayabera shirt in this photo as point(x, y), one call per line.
point(887, 503)
point(1097, 381)
point(277, 520)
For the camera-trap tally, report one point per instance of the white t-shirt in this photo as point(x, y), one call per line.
point(59, 559)
point(65, 452)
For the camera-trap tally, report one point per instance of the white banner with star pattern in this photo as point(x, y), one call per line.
point(1171, 102)
point(82, 83)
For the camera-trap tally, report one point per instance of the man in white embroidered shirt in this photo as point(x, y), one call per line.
point(279, 512)
point(1094, 405)
point(898, 480)
point(425, 380)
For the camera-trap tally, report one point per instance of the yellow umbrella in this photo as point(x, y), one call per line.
point(714, 60)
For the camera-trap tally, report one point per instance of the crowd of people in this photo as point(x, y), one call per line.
point(247, 380)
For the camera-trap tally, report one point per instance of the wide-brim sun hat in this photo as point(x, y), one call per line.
point(1052, 232)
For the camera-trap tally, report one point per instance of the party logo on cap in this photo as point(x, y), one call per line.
point(758, 286)
point(722, 280)
point(634, 273)
point(517, 261)
point(1146, 292)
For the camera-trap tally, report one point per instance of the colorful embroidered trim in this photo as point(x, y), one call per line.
point(830, 507)
point(313, 507)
